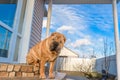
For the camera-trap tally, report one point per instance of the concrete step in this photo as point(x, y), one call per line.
point(24, 72)
point(58, 76)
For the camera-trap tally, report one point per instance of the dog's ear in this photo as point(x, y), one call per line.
point(54, 33)
point(64, 38)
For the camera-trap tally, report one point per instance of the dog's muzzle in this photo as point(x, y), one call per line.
point(55, 47)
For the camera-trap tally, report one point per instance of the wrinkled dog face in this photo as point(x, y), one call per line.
point(57, 42)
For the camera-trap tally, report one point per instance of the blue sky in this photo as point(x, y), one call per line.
point(85, 26)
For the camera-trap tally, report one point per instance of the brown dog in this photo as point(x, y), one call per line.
point(46, 51)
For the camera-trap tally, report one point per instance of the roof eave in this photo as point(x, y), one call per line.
point(81, 1)
point(8, 1)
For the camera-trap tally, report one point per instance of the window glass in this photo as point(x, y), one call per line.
point(5, 36)
point(7, 13)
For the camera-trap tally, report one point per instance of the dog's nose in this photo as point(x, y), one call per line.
point(56, 44)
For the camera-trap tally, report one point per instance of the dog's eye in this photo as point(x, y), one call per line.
point(60, 41)
point(54, 38)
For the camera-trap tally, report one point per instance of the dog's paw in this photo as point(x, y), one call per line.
point(42, 76)
point(36, 65)
point(51, 76)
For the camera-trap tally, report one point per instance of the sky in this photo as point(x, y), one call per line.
point(86, 27)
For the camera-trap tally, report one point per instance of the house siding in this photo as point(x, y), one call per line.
point(36, 28)
point(75, 64)
point(100, 64)
point(65, 52)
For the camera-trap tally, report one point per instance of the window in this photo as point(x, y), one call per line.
point(7, 15)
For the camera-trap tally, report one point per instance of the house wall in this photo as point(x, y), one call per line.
point(32, 27)
point(67, 52)
point(100, 64)
point(37, 20)
point(74, 64)
point(26, 31)
point(82, 64)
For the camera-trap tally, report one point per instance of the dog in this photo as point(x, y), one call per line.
point(46, 51)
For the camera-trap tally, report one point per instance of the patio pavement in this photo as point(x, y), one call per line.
point(59, 76)
point(75, 78)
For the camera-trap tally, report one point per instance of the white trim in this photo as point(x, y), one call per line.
point(6, 26)
point(18, 34)
point(2, 59)
point(15, 30)
point(24, 45)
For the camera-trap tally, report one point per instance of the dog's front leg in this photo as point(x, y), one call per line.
point(42, 69)
point(51, 75)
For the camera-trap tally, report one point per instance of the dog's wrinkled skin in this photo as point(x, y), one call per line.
point(46, 51)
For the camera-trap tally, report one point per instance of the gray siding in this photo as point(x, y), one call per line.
point(100, 64)
point(36, 29)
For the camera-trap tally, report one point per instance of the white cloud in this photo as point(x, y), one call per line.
point(44, 23)
point(81, 42)
point(69, 29)
point(66, 15)
point(65, 28)
point(100, 39)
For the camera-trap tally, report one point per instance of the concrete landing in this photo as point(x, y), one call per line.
point(58, 76)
